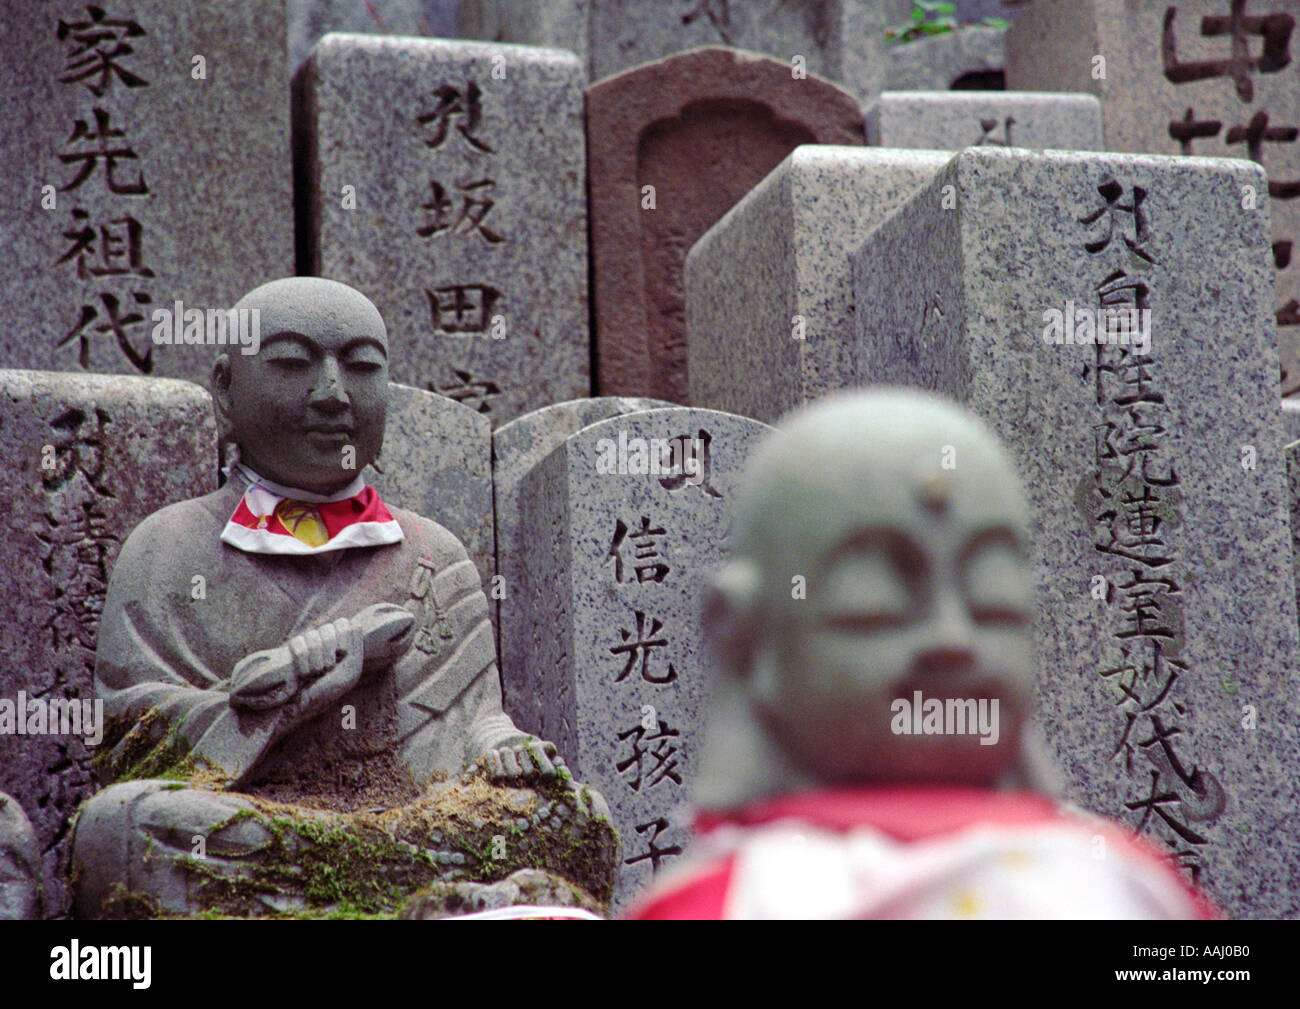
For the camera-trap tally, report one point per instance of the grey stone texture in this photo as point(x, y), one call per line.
point(950, 120)
point(517, 447)
point(653, 195)
point(1291, 419)
point(85, 458)
point(1167, 630)
point(769, 289)
point(1198, 77)
point(20, 864)
point(136, 176)
point(613, 587)
point(469, 227)
point(1293, 490)
point(310, 19)
point(437, 462)
point(942, 61)
point(840, 40)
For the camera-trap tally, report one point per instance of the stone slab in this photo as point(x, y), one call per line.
point(135, 176)
point(701, 129)
point(1291, 419)
point(951, 120)
point(840, 40)
point(972, 58)
point(437, 462)
point(85, 458)
point(1166, 627)
point(769, 288)
point(616, 563)
point(469, 225)
point(1174, 84)
point(517, 447)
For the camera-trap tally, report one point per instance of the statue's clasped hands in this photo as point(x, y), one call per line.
point(317, 667)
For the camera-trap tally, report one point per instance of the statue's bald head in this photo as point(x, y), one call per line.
point(308, 408)
point(879, 549)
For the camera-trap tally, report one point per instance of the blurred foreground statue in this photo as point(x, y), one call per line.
point(870, 748)
point(301, 682)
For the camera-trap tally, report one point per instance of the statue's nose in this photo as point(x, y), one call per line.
point(949, 644)
point(329, 393)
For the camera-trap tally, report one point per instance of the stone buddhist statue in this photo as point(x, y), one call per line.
point(297, 676)
point(870, 746)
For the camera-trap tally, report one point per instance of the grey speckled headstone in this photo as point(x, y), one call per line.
point(83, 458)
point(941, 62)
point(1293, 491)
point(136, 175)
point(516, 448)
point(951, 120)
point(467, 164)
point(769, 290)
point(616, 560)
point(437, 462)
point(1167, 612)
point(840, 40)
point(1194, 78)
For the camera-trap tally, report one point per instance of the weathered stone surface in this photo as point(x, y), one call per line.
point(1167, 630)
point(1291, 419)
point(950, 120)
point(20, 864)
point(653, 191)
point(516, 448)
point(85, 458)
point(466, 163)
point(972, 58)
point(321, 863)
point(437, 462)
point(310, 19)
point(1293, 490)
point(146, 153)
point(840, 40)
point(531, 887)
point(617, 560)
point(769, 289)
point(1198, 77)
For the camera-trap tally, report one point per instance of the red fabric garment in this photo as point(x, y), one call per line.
point(905, 815)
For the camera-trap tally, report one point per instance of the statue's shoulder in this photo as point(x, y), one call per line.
point(429, 537)
point(175, 530)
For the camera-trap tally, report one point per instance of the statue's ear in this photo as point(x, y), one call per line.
point(731, 625)
point(220, 389)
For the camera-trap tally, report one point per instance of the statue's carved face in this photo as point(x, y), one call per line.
point(917, 581)
point(308, 409)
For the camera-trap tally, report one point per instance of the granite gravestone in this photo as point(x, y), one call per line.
point(840, 40)
point(769, 291)
point(951, 120)
point(653, 193)
point(973, 58)
point(1167, 629)
point(516, 448)
point(436, 461)
point(85, 458)
point(621, 526)
point(1211, 78)
point(147, 171)
point(446, 179)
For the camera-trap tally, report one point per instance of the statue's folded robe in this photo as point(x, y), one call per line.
point(183, 608)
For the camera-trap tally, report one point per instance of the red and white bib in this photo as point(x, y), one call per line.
point(275, 519)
